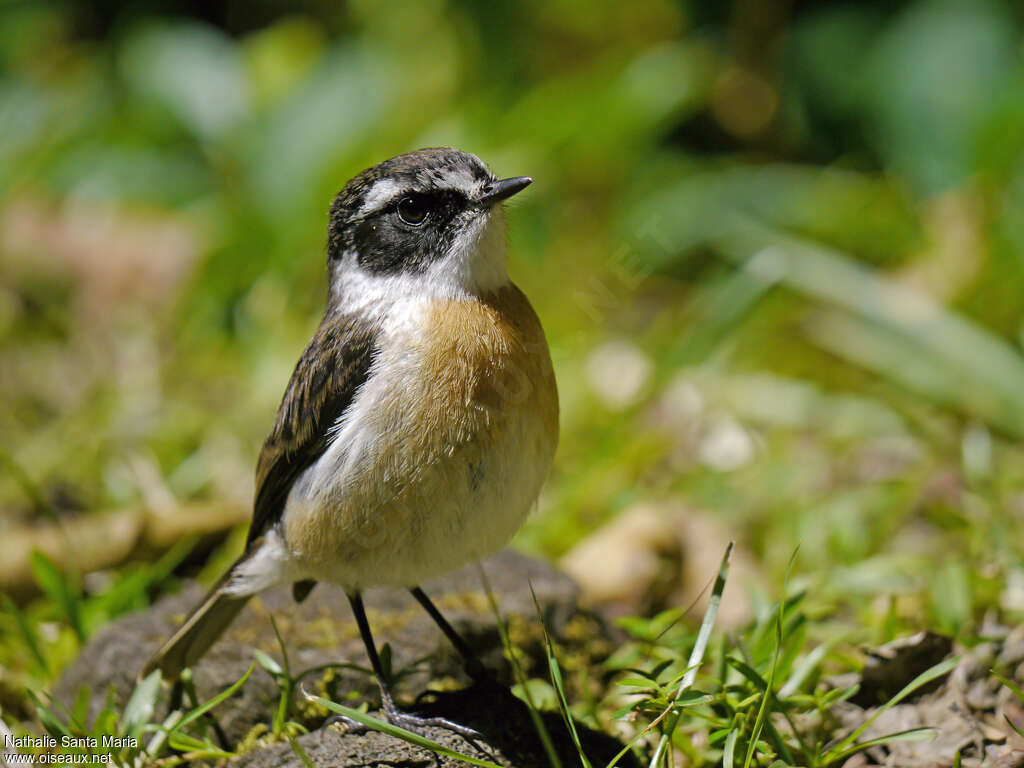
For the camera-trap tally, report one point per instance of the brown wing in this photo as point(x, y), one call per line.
point(325, 380)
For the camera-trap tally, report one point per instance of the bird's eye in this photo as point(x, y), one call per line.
point(413, 210)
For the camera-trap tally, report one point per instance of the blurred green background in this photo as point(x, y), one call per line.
point(777, 245)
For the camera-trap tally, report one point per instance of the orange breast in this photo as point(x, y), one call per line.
point(456, 444)
point(488, 360)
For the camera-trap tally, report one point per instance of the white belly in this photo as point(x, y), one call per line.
point(440, 457)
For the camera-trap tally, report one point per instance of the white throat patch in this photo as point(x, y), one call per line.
point(476, 260)
point(473, 265)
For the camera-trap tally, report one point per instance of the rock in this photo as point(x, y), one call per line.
point(1012, 652)
point(509, 738)
point(657, 555)
point(321, 632)
point(890, 667)
point(967, 708)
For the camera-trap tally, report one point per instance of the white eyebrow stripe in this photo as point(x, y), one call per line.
point(382, 191)
point(463, 180)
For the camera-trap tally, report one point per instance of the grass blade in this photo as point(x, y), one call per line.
point(49, 719)
point(959, 362)
point(517, 671)
point(59, 588)
point(729, 751)
point(196, 749)
point(1016, 691)
point(762, 712)
point(156, 744)
point(28, 634)
point(300, 752)
point(198, 712)
point(1014, 688)
point(697, 655)
point(913, 734)
point(268, 663)
point(935, 672)
point(556, 681)
point(808, 665)
point(141, 704)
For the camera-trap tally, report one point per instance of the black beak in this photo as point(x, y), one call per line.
point(497, 191)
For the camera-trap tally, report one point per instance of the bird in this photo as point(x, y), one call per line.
point(419, 424)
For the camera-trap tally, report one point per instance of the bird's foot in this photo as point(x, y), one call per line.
point(416, 724)
point(410, 722)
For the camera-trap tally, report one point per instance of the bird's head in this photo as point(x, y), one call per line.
point(429, 220)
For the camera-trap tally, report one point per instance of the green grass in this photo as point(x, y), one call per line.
point(833, 287)
point(747, 695)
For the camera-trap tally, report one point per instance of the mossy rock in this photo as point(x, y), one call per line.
point(326, 653)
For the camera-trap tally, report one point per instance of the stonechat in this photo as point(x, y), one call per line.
point(420, 422)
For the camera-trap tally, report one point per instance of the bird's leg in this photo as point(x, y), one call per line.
point(474, 668)
point(392, 713)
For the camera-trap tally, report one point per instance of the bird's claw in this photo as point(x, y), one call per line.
point(416, 724)
point(406, 720)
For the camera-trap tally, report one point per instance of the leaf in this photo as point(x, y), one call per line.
point(283, 647)
point(28, 634)
point(621, 713)
point(729, 750)
point(57, 587)
point(661, 667)
point(195, 748)
point(948, 60)
point(807, 665)
point(693, 697)
point(268, 663)
point(652, 675)
point(638, 682)
point(80, 710)
point(49, 719)
point(141, 704)
point(748, 672)
point(156, 744)
point(537, 693)
point(106, 722)
point(838, 694)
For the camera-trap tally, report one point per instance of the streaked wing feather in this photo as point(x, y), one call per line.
point(325, 380)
